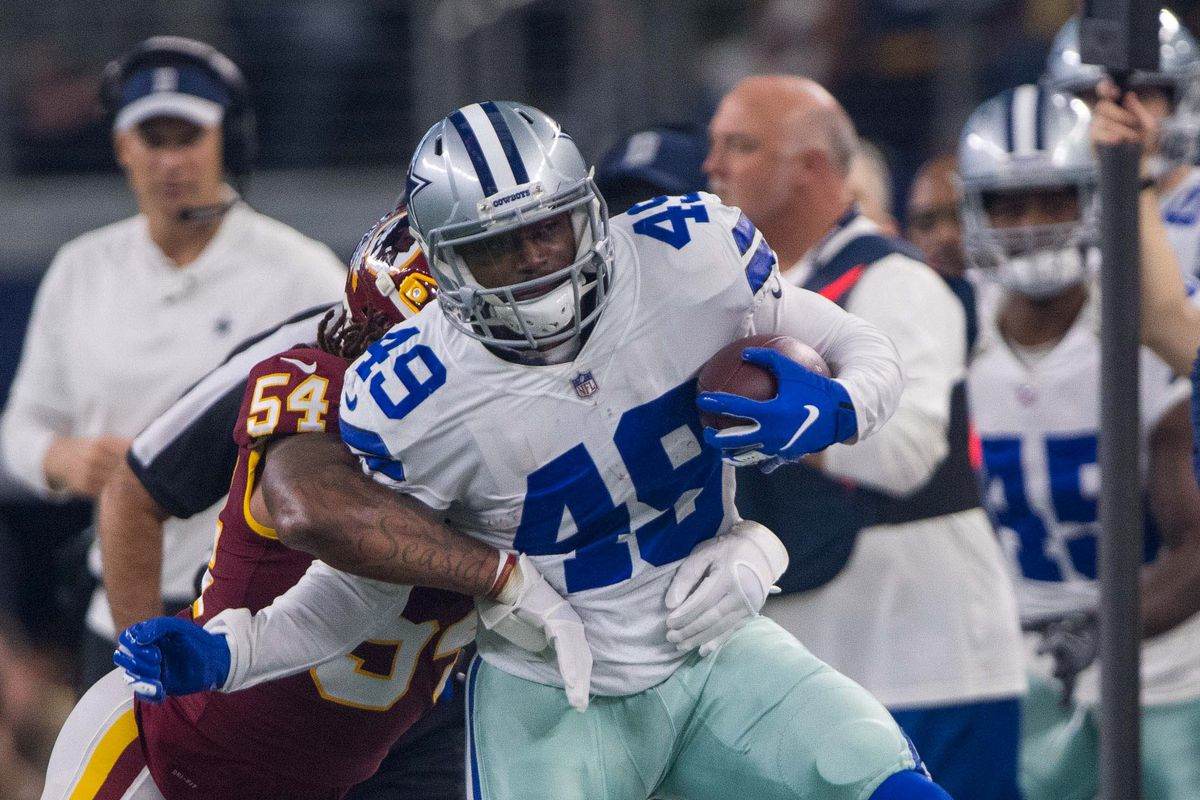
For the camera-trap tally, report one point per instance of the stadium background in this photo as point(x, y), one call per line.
point(342, 91)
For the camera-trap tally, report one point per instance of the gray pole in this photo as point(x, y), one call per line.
point(1120, 493)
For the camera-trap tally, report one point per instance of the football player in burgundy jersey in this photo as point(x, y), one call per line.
point(316, 734)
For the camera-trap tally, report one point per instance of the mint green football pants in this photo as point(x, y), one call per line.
point(1060, 748)
point(759, 719)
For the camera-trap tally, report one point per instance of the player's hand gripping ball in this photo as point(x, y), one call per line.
point(768, 396)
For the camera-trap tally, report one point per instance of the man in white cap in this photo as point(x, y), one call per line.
point(131, 314)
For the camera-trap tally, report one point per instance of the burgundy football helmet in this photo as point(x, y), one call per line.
point(388, 274)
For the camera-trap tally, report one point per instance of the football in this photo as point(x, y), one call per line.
point(727, 372)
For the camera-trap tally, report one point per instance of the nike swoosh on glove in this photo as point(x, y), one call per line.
point(538, 617)
point(808, 413)
point(724, 581)
point(169, 656)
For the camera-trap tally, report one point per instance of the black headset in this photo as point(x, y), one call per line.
point(239, 145)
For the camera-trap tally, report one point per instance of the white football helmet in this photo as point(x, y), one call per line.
point(1026, 140)
point(480, 175)
point(1178, 73)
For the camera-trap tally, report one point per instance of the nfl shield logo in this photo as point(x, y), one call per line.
point(585, 385)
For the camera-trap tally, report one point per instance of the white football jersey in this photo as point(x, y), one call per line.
point(1038, 420)
point(596, 468)
point(1181, 215)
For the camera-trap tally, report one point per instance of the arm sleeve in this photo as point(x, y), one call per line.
point(928, 326)
point(40, 406)
point(864, 359)
point(325, 615)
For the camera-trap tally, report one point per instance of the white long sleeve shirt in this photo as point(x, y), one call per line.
point(118, 331)
point(923, 613)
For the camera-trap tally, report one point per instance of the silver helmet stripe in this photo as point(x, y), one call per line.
point(483, 170)
point(493, 151)
point(1025, 118)
point(504, 134)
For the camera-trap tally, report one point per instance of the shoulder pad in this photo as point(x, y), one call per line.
point(733, 243)
point(295, 391)
point(396, 375)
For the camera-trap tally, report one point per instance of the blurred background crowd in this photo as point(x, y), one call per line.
point(342, 91)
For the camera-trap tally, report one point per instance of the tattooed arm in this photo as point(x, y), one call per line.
point(319, 501)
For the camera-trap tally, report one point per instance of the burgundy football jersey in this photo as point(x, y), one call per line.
point(315, 734)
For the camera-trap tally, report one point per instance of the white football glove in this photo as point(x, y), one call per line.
point(538, 617)
point(722, 582)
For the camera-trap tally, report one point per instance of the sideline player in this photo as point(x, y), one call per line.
point(1171, 94)
point(549, 408)
point(315, 734)
point(1029, 217)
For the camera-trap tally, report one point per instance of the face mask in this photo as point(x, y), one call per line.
point(1044, 273)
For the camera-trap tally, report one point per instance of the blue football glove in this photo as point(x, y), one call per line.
point(807, 414)
point(171, 656)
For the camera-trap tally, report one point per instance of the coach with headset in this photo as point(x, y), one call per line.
point(129, 315)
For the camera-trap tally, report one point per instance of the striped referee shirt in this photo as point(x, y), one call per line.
point(186, 456)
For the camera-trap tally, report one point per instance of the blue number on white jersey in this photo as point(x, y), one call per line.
point(670, 225)
point(1065, 459)
point(397, 401)
point(688, 495)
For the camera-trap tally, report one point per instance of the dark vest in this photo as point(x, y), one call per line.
point(818, 517)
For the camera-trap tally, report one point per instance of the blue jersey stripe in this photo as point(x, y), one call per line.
point(386, 466)
point(759, 268)
point(1039, 113)
point(472, 756)
point(504, 134)
point(486, 180)
point(743, 233)
point(1009, 143)
point(364, 441)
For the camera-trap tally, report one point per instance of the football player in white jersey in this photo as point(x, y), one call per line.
point(1172, 94)
point(546, 405)
point(1029, 224)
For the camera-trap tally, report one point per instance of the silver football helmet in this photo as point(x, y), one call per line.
point(1027, 140)
point(1178, 72)
point(477, 178)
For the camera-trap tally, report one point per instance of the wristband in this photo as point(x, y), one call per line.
point(504, 574)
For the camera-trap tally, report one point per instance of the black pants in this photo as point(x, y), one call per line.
point(427, 762)
point(95, 659)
